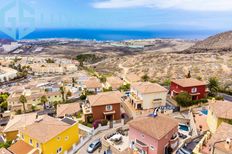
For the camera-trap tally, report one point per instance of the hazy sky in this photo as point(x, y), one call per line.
point(132, 14)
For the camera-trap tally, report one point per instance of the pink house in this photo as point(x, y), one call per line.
point(153, 135)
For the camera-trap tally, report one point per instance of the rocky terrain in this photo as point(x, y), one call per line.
point(219, 43)
point(160, 59)
point(208, 58)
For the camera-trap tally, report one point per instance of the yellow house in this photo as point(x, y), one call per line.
point(219, 111)
point(16, 122)
point(50, 135)
point(33, 98)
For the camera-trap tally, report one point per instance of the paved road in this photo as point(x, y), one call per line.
point(97, 136)
point(226, 97)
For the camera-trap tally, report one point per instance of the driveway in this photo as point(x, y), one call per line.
point(83, 149)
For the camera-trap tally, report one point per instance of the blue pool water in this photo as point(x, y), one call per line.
point(204, 111)
point(184, 127)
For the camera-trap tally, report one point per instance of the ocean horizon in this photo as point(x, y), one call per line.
point(116, 35)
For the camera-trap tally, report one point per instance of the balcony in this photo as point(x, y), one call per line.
point(135, 98)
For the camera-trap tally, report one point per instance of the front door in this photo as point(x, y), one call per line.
point(109, 117)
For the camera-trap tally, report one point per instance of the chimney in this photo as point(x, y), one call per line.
point(228, 144)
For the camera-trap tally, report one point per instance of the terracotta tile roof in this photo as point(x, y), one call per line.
point(45, 129)
point(19, 121)
point(189, 82)
point(223, 132)
point(222, 109)
point(33, 96)
point(115, 82)
point(67, 109)
point(132, 77)
point(4, 151)
point(156, 127)
point(105, 98)
point(92, 83)
point(20, 147)
point(147, 87)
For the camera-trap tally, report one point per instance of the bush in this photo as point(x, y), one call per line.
point(83, 97)
point(124, 87)
point(90, 119)
point(79, 115)
point(106, 90)
point(96, 124)
point(104, 122)
point(6, 144)
point(184, 99)
point(219, 98)
point(89, 125)
point(19, 112)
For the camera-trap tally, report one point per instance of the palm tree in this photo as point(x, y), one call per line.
point(213, 86)
point(23, 100)
point(69, 94)
point(145, 78)
point(43, 100)
point(73, 82)
point(62, 91)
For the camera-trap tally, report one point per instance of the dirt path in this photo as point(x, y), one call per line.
point(125, 70)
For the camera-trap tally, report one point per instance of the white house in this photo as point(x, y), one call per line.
point(7, 74)
point(146, 95)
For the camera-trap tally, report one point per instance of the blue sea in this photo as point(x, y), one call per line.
point(116, 35)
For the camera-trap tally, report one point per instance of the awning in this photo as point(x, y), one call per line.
point(195, 94)
point(108, 113)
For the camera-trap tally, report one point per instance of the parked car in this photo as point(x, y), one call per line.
point(182, 136)
point(182, 150)
point(94, 146)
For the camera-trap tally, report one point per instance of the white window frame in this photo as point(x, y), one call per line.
point(58, 151)
point(109, 107)
point(194, 90)
point(31, 142)
point(37, 145)
point(152, 147)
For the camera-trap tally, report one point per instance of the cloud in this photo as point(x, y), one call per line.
point(191, 5)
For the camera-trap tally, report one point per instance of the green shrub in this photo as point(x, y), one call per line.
point(104, 122)
point(183, 99)
point(89, 125)
point(6, 144)
point(19, 112)
point(219, 98)
point(83, 97)
point(79, 115)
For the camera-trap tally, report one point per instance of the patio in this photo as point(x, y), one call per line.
point(117, 141)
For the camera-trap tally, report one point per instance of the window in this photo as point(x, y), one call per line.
point(194, 90)
point(58, 138)
point(30, 141)
point(152, 148)
point(109, 107)
point(37, 145)
point(58, 151)
point(66, 138)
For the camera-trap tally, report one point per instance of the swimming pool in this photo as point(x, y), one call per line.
point(204, 111)
point(183, 127)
